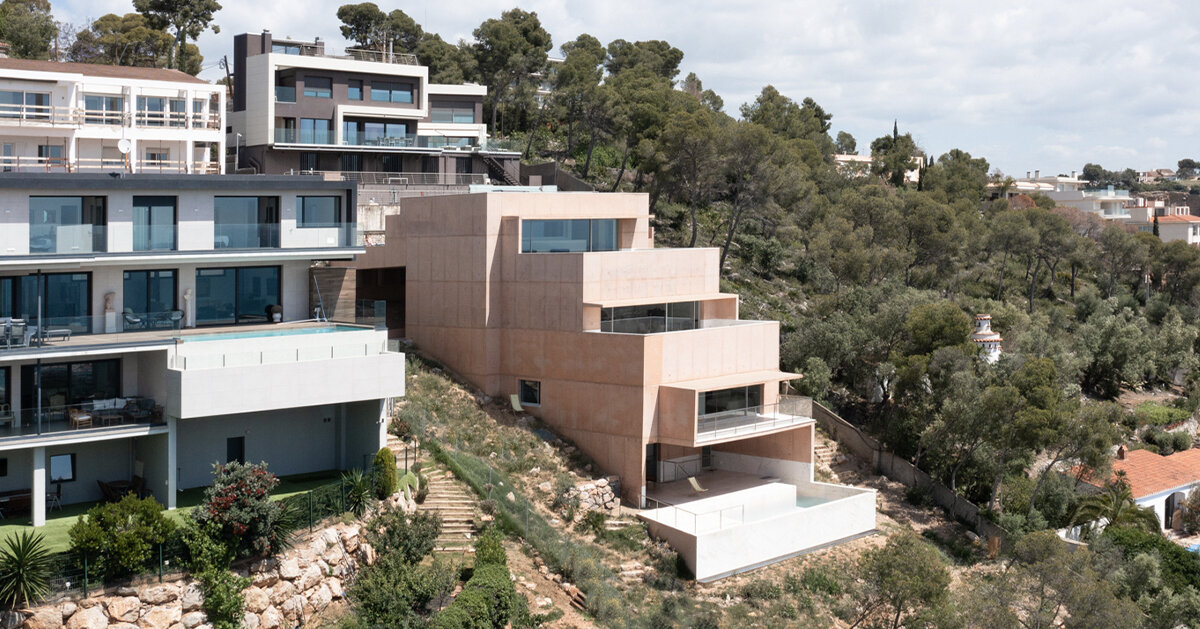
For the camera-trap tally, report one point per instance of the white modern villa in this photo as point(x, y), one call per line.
point(153, 325)
point(80, 117)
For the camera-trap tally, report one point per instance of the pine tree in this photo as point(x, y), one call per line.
point(1156, 226)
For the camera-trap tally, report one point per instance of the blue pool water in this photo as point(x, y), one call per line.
point(1194, 548)
point(271, 332)
point(810, 501)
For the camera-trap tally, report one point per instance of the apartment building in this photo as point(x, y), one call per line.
point(80, 117)
point(369, 114)
point(1070, 191)
point(562, 300)
point(153, 325)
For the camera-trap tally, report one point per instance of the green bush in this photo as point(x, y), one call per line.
point(592, 522)
point(818, 580)
point(488, 601)
point(1155, 414)
point(761, 590)
point(1180, 567)
point(119, 537)
point(358, 492)
point(25, 570)
point(385, 478)
point(239, 506)
point(1166, 442)
point(394, 591)
point(209, 558)
point(489, 548)
point(411, 535)
point(223, 603)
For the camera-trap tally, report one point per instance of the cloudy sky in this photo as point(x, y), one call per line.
point(1028, 84)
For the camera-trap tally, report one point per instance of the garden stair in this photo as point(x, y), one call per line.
point(456, 504)
point(824, 453)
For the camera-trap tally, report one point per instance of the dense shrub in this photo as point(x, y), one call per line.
point(489, 548)
point(209, 558)
point(1168, 442)
point(411, 535)
point(592, 522)
point(1155, 414)
point(488, 601)
point(394, 591)
point(385, 478)
point(25, 569)
point(1180, 567)
point(358, 491)
point(761, 590)
point(119, 537)
point(239, 506)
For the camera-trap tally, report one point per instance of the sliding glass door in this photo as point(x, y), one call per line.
point(154, 220)
point(66, 299)
point(234, 295)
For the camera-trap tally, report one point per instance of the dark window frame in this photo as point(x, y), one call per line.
point(318, 91)
point(351, 86)
point(151, 201)
point(237, 289)
point(50, 468)
point(149, 280)
point(529, 386)
point(303, 222)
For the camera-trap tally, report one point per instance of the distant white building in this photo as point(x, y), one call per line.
point(82, 117)
point(1108, 203)
point(986, 338)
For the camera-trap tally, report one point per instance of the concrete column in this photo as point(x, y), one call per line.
point(73, 153)
point(172, 471)
point(189, 161)
point(38, 487)
point(384, 411)
point(134, 161)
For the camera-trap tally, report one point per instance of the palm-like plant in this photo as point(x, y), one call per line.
point(24, 570)
point(1116, 504)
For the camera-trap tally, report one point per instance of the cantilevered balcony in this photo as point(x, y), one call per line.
point(753, 420)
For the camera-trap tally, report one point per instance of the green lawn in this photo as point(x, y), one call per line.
point(59, 522)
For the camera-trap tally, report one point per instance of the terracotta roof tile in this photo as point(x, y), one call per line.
point(1149, 473)
point(1179, 218)
point(93, 69)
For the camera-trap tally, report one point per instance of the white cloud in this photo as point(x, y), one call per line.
point(1028, 84)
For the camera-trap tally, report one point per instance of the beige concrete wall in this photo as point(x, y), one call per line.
point(790, 445)
point(497, 316)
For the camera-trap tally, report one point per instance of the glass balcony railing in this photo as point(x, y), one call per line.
point(362, 139)
point(285, 94)
point(372, 312)
point(246, 236)
point(28, 331)
point(303, 136)
point(754, 419)
point(154, 238)
point(50, 238)
point(98, 414)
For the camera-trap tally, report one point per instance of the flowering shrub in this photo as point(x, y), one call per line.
point(238, 505)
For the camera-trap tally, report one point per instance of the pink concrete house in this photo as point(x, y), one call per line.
point(630, 351)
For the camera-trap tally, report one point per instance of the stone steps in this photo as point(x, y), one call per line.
point(455, 504)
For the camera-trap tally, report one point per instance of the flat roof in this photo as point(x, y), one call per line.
point(95, 69)
point(734, 380)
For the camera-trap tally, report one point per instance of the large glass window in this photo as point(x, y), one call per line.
point(5, 389)
point(156, 111)
point(149, 297)
point(236, 295)
point(154, 223)
point(375, 133)
point(71, 383)
point(354, 89)
point(352, 162)
point(285, 49)
point(453, 113)
point(245, 222)
point(568, 235)
point(319, 212)
point(318, 87)
point(387, 92)
point(67, 224)
point(27, 105)
point(101, 109)
point(67, 301)
point(315, 131)
point(650, 318)
point(725, 400)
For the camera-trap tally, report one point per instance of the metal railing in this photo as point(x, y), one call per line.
point(20, 163)
point(224, 360)
point(53, 115)
point(696, 522)
point(752, 419)
point(381, 56)
point(398, 179)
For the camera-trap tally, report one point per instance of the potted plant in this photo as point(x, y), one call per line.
point(276, 312)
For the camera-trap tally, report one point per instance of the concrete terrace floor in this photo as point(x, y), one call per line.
point(58, 523)
point(717, 482)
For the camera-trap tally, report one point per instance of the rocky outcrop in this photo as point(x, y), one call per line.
point(284, 591)
point(598, 495)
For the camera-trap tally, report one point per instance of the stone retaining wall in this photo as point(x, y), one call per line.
point(285, 592)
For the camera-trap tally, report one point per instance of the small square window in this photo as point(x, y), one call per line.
point(62, 468)
point(531, 392)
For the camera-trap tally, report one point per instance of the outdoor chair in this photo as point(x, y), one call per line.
point(54, 498)
point(696, 488)
point(132, 321)
point(109, 492)
point(515, 400)
point(80, 418)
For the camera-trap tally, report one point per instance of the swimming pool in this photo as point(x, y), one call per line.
point(223, 336)
point(810, 501)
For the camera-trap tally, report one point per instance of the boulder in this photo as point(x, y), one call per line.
point(321, 598)
point(256, 599)
point(367, 554)
point(192, 598)
point(126, 625)
point(282, 591)
point(160, 617)
point(158, 594)
point(330, 535)
point(264, 579)
point(250, 621)
point(125, 608)
point(68, 608)
point(90, 618)
point(333, 556)
point(293, 608)
point(289, 569)
point(127, 590)
point(191, 620)
point(310, 578)
point(271, 619)
point(335, 588)
point(45, 618)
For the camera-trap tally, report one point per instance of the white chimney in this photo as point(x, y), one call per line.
point(1037, 174)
